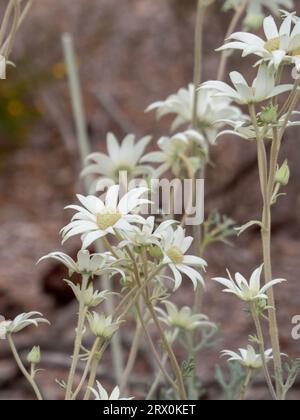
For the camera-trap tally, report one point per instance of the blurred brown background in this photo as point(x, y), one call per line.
point(130, 52)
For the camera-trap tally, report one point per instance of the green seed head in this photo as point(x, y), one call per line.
point(283, 174)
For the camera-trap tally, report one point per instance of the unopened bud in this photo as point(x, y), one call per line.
point(269, 114)
point(283, 174)
point(155, 251)
point(34, 356)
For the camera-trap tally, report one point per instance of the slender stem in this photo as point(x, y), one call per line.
point(93, 372)
point(78, 340)
point(158, 378)
point(191, 175)
point(168, 347)
point(201, 8)
point(153, 349)
point(232, 26)
point(275, 148)
point(262, 349)
point(135, 267)
point(5, 20)
point(109, 247)
point(92, 354)
point(132, 356)
point(5, 49)
point(124, 301)
point(22, 368)
point(76, 96)
point(201, 11)
point(246, 385)
point(165, 341)
point(287, 106)
point(12, 35)
point(266, 241)
point(138, 293)
point(292, 104)
point(32, 370)
point(92, 380)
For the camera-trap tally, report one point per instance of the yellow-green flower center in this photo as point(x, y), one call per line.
point(175, 255)
point(107, 219)
point(272, 45)
point(295, 52)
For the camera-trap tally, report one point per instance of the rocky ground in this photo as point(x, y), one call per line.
point(130, 53)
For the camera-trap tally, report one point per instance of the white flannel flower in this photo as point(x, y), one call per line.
point(247, 291)
point(102, 326)
point(242, 129)
point(146, 235)
point(102, 395)
point(174, 246)
point(184, 318)
point(98, 218)
point(245, 129)
point(281, 45)
point(22, 321)
point(124, 157)
point(171, 150)
point(210, 110)
point(87, 264)
point(3, 326)
point(248, 357)
point(90, 297)
point(255, 12)
point(263, 87)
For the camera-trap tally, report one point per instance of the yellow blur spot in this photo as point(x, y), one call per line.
point(15, 108)
point(59, 70)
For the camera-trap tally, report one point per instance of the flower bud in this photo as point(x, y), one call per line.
point(34, 356)
point(253, 21)
point(269, 114)
point(283, 174)
point(155, 251)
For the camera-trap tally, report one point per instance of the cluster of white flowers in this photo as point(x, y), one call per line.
point(281, 45)
point(143, 251)
point(96, 220)
point(210, 111)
